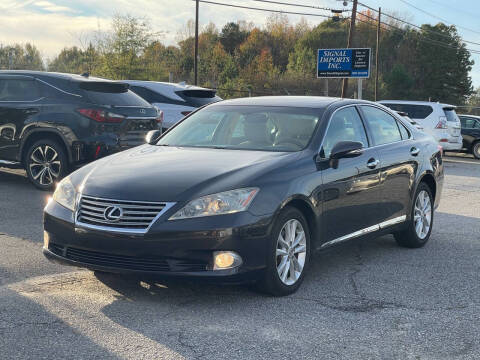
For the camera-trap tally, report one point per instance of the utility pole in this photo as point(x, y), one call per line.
point(195, 61)
point(350, 43)
point(377, 52)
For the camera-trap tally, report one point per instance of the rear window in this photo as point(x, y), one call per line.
point(197, 98)
point(450, 114)
point(126, 98)
point(413, 111)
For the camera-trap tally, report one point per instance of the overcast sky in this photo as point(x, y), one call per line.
point(54, 24)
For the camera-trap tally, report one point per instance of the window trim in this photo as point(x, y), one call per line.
point(330, 121)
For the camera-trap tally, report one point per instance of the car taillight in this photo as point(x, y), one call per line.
point(442, 123)
point(185, 113)
point(101, 115)
point(159, 116)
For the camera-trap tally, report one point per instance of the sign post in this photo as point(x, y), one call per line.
point(344, 63)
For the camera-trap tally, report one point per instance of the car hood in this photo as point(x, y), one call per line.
point(172, 174)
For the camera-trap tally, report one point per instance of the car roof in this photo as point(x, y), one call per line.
point(177, 86)
point(411, 102)
point(287, 101)
point(469, 115)
point(57, 75)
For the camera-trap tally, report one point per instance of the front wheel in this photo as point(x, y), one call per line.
point(419, 228)
point(476, 150)
point(289, 253)
point(45, 163)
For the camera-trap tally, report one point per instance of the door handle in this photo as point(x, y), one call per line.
point(414, 151)
point(30, 111)
point(372, 163)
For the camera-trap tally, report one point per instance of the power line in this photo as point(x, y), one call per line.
point(439, 18)
point(416, 26)
point(425, 39)
point(263, 9)
point(298, 5)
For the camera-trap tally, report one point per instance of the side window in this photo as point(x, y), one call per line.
point(403, 131)
point(383, 126)
point(19, 90)
point(470, 123)
point(345, 125)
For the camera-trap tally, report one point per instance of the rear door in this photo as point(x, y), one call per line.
point(20, 104)
point(351, 191)
point(399, 162)
point(453, 123)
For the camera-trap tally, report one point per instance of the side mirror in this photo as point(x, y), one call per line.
point(346, 149)
point(153, 136)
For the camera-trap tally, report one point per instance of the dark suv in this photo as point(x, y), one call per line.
point(52, 122)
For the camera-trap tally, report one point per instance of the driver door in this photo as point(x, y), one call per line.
point(351, 191)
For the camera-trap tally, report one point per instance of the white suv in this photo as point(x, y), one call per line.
point(439, 120)
point(175, 100)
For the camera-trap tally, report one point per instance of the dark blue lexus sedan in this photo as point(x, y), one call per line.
point(246, 189)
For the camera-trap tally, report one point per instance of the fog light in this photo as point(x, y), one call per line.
point(226, 260)
point(46, 240)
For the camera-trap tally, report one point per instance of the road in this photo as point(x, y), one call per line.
point(360, 300)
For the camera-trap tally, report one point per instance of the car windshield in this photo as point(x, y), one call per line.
point(246, 127)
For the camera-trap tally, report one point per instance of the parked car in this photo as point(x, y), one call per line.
point(411, 121)
point(175, 100)
point(246, 189)
point(471, 134)
point(438, 120)
point(52, 122)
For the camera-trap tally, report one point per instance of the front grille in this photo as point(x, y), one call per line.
point(117, 214)
point(128, 262)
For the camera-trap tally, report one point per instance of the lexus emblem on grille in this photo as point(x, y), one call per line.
point(113, 213)
point(142, 111)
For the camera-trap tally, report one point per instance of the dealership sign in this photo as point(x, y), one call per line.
point(343, 63)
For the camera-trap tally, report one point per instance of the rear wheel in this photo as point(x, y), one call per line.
point(45, 163)
point(476, 150)
point(420, 226)
point(289, 252)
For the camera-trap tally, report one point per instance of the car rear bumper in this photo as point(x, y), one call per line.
point(452, 146)
point(177, 253)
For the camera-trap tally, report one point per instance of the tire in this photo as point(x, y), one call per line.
point(476, 149)
point(272, 282)
point(46, 163)
point(416, 235)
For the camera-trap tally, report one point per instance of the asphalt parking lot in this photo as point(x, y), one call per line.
point(360, 300)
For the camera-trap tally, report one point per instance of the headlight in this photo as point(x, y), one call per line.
point(227, 202)
point(65, 194)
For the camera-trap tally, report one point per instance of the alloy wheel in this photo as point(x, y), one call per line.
point(476, 150)
point(44, 164)
point(291, 252)
point(422, 214)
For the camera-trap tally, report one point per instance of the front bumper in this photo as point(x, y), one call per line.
point(181, 248)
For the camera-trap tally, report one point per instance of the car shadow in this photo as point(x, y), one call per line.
point(29, 331)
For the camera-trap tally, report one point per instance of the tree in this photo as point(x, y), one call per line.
point(399, 83)
point(231, 37)
point(20, 57)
